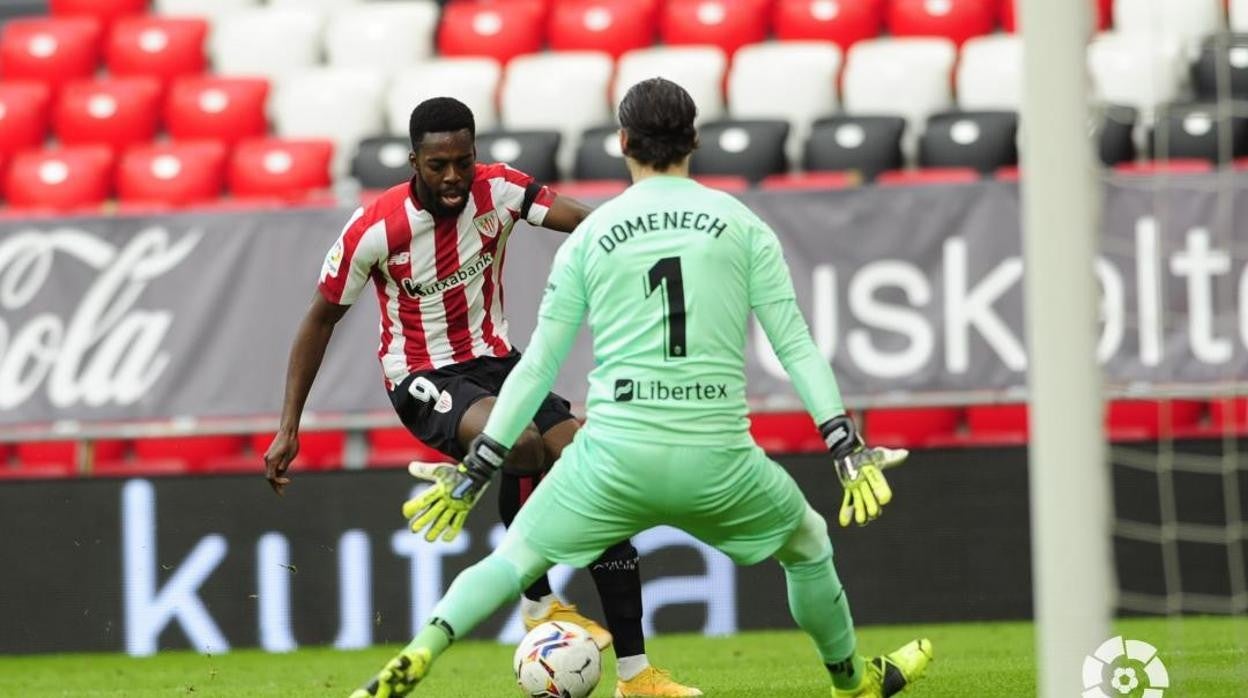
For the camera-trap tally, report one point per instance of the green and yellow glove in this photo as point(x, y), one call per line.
point(444, 507)
point(860, 469)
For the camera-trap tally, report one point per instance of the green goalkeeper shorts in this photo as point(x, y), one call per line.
point(604, 490)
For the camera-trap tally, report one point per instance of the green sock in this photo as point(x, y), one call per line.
point(817, 601)
point(474, 595)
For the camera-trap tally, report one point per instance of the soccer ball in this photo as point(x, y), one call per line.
point(557, 660)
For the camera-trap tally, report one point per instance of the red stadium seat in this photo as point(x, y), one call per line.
point(114, 112)
point(283, 168)
point(105, 11)
point(1141, 420)
point(611, 26)
point(842, 21)
point(64, 179)
point(224, 109)
point(812, 181)
point(177, 174)
point(786, 432)
point(1229, 415)
point(1103, 8)
point(929, 175)
point(158, 47)
point(396, 447)
point(956, 20)
point(23, 115)
point(194, 452)
point(912, 426)
point(997, 424)
point(728, 24)
point(49, 50)
point(318, 450)
point(500, 30)
point(64, 453)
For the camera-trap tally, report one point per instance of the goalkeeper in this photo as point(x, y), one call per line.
point(667, 273)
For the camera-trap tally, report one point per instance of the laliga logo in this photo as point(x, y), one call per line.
point(1124, 668)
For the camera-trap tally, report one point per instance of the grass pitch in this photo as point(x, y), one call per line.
point(1206, 657)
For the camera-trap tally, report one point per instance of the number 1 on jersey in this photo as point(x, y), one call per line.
point(668, 270)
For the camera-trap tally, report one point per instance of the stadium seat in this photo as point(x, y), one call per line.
point(1238, 15)
point(811, 181)
point(997, 424)
point(24, 119)
point(64, 453)
point(726, 24)
point(104, 11)
point(116, 112)
point(158, 47)
point(65, 179)
point(985, 141)
point(382, 36)
point(786, 432)
point(909, 77)
point(808, 91)
point(318, 450)
point(749, 149)
point(927, 176)
point(1186, 21)
point(598, 157)
point(381, 162)
point(564, 92)
point(270, 42)
point(956, 20)
point(211, 10)
point(225, 109)
point(1135, 70)
point(49, 50)
point(396, 447)
point(196, 453)
point(698, 69)
point(844, 22)
point(1116, 135)
point(1195, 131)
point(990, 73)
point(1229, 415)
point(1227, 52)
point(338, 104)
point(912, 427)
point(271, 167)
point(610, 26)
point(865, 144)
point(175, 174)
point(1140, 420)
point(500, 31)
point(1103, 10)
point(473, 81)
point(533, 152)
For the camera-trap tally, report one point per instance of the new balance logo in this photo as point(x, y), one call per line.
point(627, 390)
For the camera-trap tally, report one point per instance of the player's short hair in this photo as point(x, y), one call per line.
point(440, 115)
point(658, 115)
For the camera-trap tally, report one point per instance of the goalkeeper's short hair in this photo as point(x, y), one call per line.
point(657, 115)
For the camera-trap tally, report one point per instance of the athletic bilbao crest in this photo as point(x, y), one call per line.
point(488, 224)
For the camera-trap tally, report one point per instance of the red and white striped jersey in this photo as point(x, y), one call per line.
point(438, 280)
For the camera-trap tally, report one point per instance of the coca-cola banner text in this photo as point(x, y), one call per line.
point(912, 290)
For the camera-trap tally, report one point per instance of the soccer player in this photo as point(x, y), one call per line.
point(668, 274)
point(434, 249)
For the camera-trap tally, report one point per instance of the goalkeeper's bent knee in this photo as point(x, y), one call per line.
point(808, 545)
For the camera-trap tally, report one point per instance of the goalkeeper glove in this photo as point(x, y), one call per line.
point(444, 507)
point(860, 470)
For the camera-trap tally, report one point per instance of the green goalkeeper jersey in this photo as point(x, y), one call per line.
point(667, 274)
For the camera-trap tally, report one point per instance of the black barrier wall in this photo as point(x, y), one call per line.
point(217, 563)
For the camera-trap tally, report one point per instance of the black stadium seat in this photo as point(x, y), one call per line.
point(753, 149)
point(985, 141)
point(1116, 135)
point(382, 162)
point(532, 152)
point(866, 144)
point(598, 157)
point(1229, 50)
point(1195, 131)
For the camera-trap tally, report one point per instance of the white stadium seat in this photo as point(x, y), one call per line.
point(908, 77)
point(561, 91)
point(271, 42)
point(1188, 21)
point(1136, 70)
point(340, 104)
point(1239, 15)
point(212, 10)
point(473, 81)
point(382, 35)
point(807, 92)
point(990, 74)
point(698, 69)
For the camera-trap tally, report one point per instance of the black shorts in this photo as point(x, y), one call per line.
point(432, 403)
